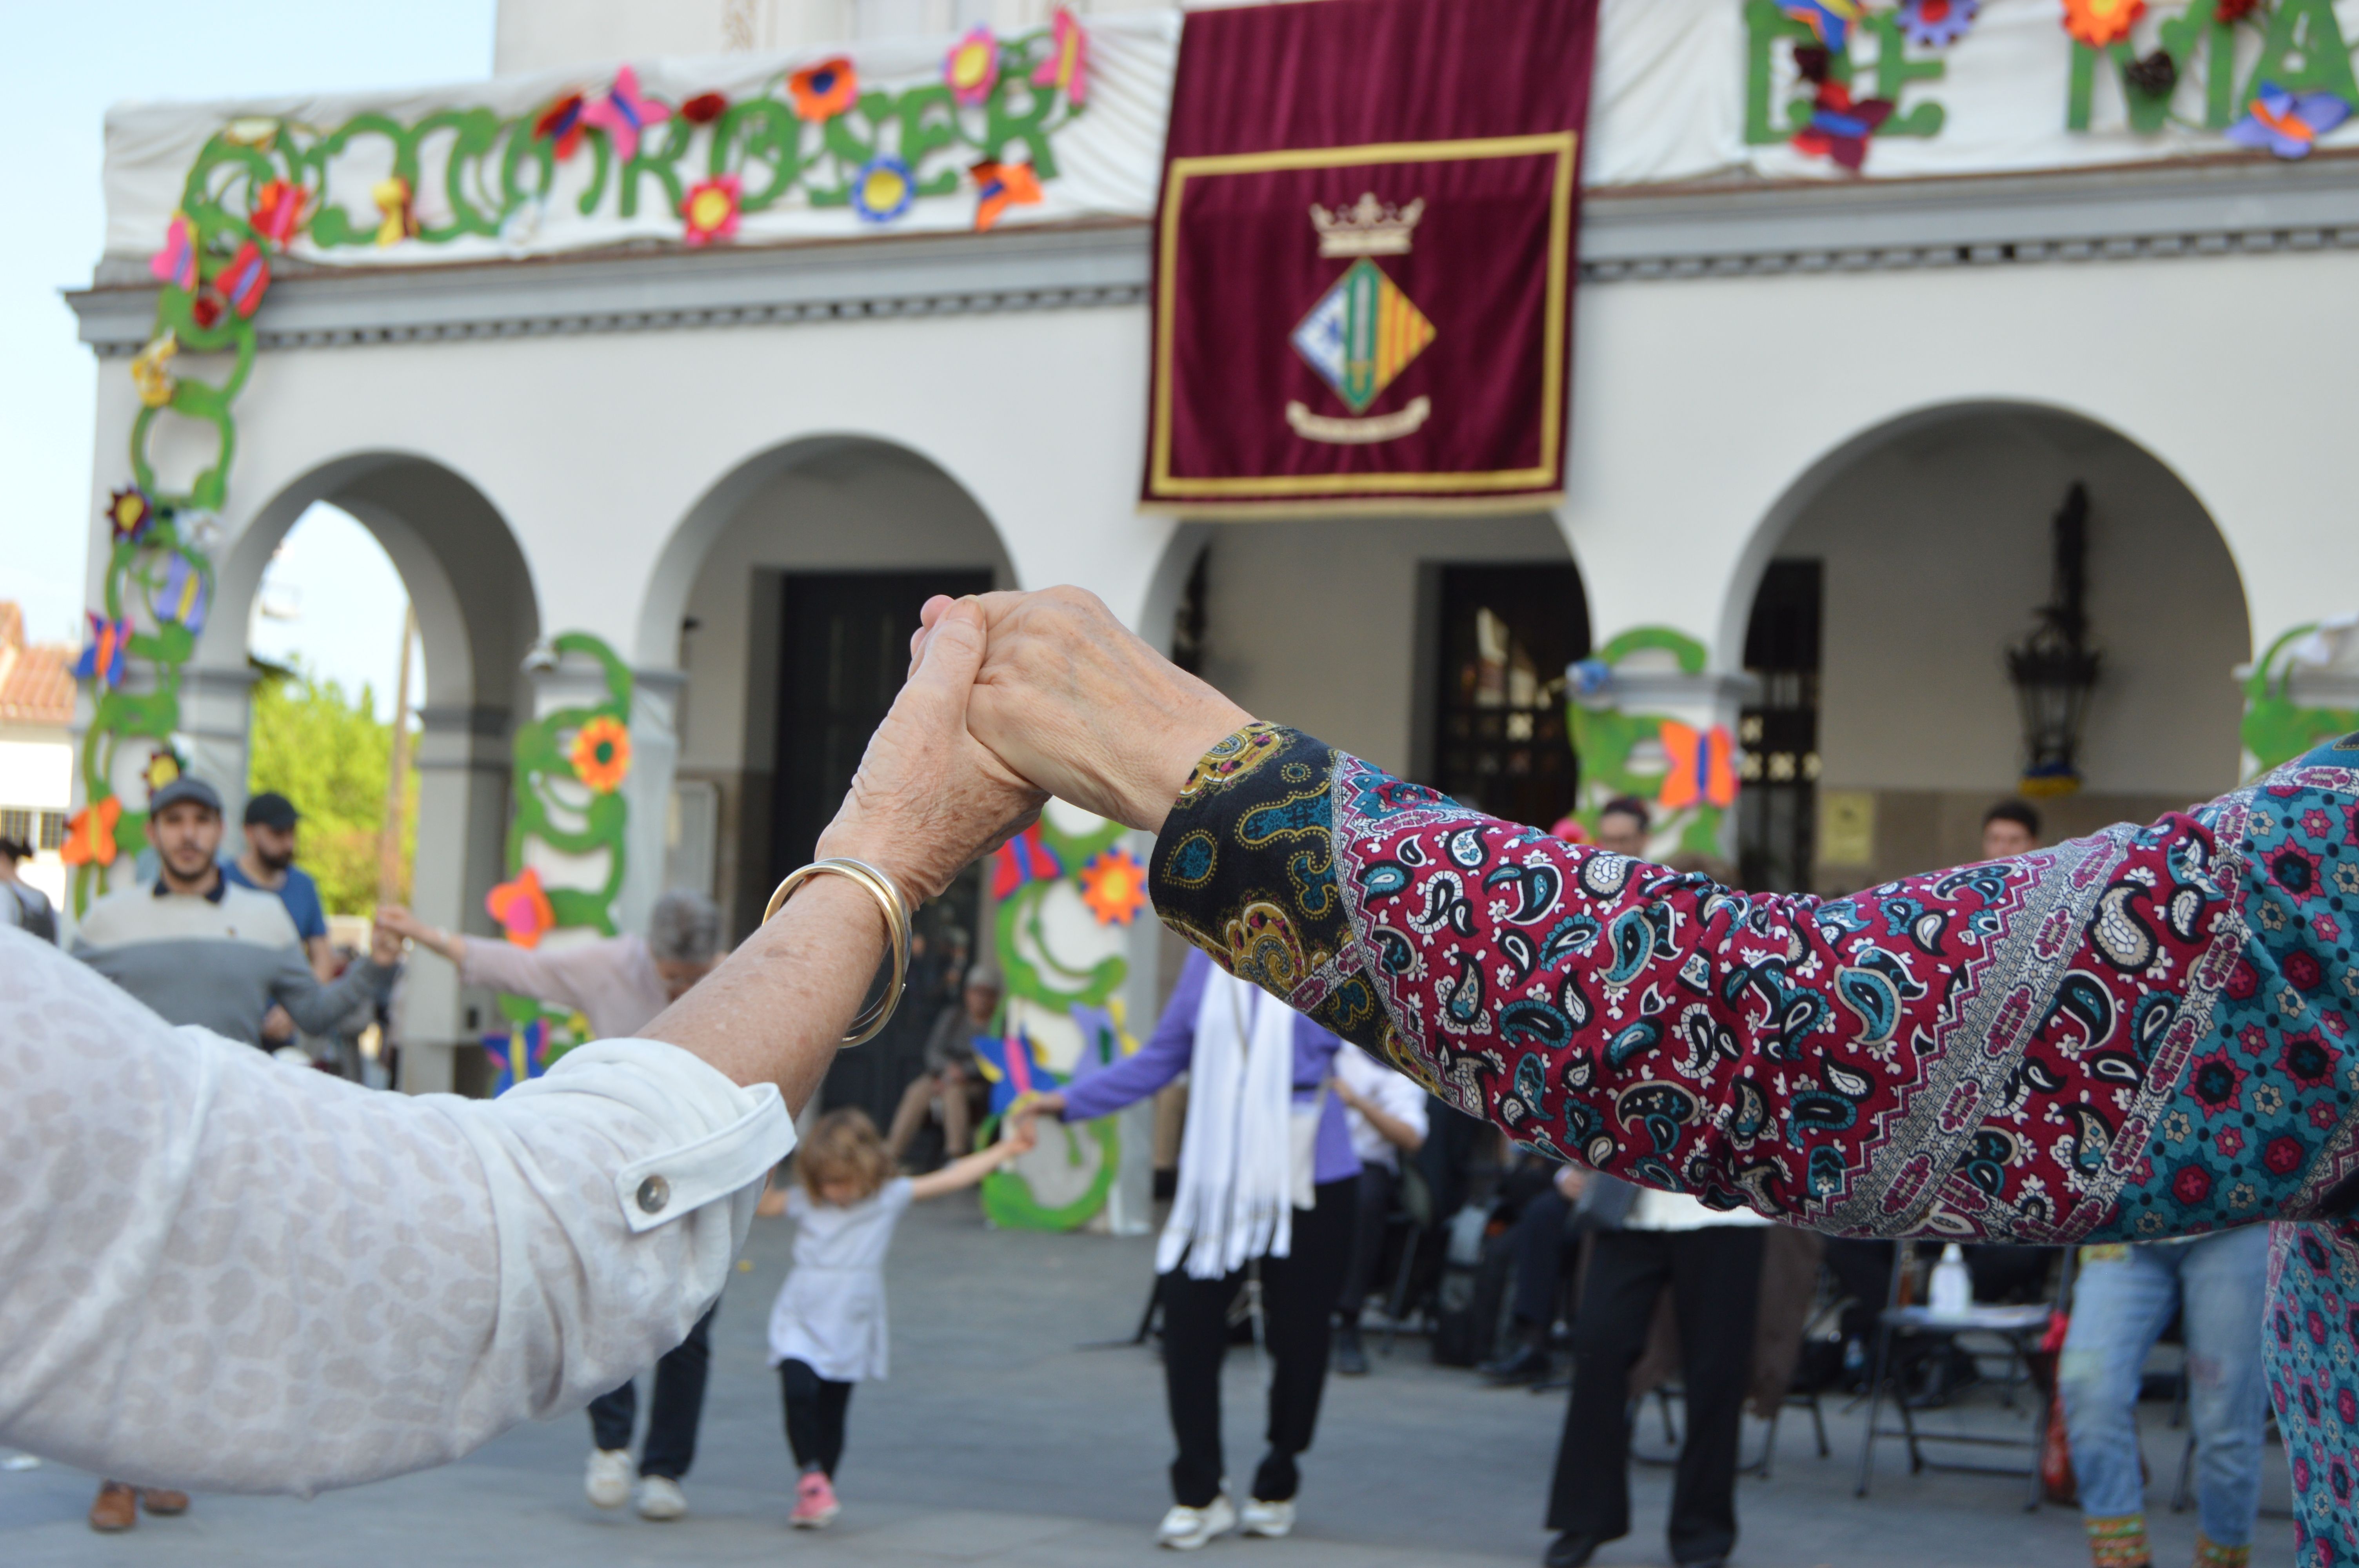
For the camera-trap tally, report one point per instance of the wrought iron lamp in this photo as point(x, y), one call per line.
point(2054, 669)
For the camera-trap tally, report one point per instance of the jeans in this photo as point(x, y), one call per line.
point(2120, 1305)
point(1715, 1278)
point(678, 1405)
point(1298, 1302)
point(1376, 1207)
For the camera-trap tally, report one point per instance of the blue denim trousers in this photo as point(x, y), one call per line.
point(2121, 1305)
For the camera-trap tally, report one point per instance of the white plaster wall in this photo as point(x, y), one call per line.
point(1315, 624)
point(1937, 547)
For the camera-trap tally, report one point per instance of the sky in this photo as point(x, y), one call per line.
point(72, 61)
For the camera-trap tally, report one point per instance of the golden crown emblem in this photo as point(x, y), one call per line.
point(1367, 228)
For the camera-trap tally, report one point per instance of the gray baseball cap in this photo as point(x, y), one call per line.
point(184, 788)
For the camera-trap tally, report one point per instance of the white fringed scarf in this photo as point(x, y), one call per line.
point(1236, 1184)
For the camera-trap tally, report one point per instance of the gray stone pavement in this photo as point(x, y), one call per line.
point(998, 1440)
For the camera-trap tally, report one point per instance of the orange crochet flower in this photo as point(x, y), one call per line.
point(1113, 886)
point(522, 909)
point(601, 754)
point(90, 833)
point(823, 92)
point(2097, 23)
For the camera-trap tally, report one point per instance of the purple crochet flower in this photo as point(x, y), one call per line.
point(1937, 24)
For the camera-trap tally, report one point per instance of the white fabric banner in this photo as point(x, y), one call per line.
point(1688, 91)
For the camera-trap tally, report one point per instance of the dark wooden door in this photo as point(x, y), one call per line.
point(1508, 634)
point(843, 650)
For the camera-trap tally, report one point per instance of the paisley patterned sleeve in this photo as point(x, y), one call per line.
point(2137, 1035)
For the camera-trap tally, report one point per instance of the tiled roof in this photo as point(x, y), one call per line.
point(36, 683)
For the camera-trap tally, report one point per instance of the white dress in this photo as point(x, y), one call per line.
point(830, 1313)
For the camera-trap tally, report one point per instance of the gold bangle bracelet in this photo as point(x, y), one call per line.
point(889, 898)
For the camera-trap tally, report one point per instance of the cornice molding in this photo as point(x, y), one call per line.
point(2149, 212)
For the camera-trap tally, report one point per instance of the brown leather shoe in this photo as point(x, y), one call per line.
point(162, 1502)
point(116, 1509)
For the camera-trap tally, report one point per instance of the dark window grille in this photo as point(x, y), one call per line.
point(1777, 812)
point(1506, 634)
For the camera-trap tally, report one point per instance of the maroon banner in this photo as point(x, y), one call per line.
point(1365, 257)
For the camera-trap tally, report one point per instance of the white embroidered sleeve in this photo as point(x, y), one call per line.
point(220, 1271)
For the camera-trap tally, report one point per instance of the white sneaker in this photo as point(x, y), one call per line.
point(1272, 1520)
point(660, 1499)
point(1185, 1529)
point(609, 1481)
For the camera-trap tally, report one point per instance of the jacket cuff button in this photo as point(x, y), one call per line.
point(654, 1193)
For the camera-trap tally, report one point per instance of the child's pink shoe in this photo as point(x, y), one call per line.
point(815, 1504)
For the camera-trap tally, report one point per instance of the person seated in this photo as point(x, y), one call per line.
point(1542, 1233)
point(1386, 1116)
point(950, 1084)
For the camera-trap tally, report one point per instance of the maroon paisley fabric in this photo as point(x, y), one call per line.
point(2138, 1034)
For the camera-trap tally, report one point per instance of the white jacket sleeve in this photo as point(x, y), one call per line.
point(220, 1271)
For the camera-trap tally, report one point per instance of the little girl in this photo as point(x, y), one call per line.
point(827, 1329)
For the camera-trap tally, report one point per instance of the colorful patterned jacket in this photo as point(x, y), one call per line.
point(2143, 1033)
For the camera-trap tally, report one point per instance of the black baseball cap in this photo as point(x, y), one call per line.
point(184, 788)
point(272, 810)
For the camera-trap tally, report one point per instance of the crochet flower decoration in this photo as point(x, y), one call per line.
point(1840, 127)
point(129, 511)
point(278, 211)
point(2097, 23)
point(175, 263)
point(1113, 886)
point(522, 909)
point(1068, 64)
point(601, 754)
point(561, 123)
point(90, 833)
point(624, 114)
point(971, 68)
point(244, 280)
point(1937, 24)
point(106, 654)
point(1000, 186)
point(1829, 21)
point(2227, 11)
point(2289, 124)
point(164, 765)
point(823, 92)
point(394, 198)
point(150, 371)
point(182, 596)
point(705, 108)
point(883, 189)
point(711, 210)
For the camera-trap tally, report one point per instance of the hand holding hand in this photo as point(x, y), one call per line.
point(928, 798)
point(1072, 700)
point(384, 942)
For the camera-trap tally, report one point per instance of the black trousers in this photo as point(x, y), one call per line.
point(1538, 1239)
point(1373, 1207)
point(1715, 1278)
point(679, 1406)
point(815, 1411)
point(1298, 1297)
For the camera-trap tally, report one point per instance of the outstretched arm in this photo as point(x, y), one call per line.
point(2137, 1035)
point(1016, 1139)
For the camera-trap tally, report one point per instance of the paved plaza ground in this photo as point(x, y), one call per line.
point(999, 1440)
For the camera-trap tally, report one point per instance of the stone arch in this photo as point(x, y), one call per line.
point(1933, 529)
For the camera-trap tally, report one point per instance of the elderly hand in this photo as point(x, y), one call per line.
point(928, 798)
point(1069, 699)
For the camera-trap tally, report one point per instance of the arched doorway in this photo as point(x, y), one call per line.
point(1879, 601)
point(472, 594)
point(786, 600)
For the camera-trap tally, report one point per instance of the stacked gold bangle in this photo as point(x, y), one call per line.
point(873, 1017)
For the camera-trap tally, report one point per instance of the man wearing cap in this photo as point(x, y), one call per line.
point(268, 866)
point(201, 948)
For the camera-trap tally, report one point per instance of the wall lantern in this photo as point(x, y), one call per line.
point(2054, 668)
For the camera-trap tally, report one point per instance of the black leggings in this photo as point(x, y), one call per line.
point(815, 1411)
point(1297, 1303)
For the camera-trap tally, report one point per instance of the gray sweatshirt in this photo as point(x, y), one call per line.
point(218, 960)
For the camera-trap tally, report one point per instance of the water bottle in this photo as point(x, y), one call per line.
point(1952, 1292)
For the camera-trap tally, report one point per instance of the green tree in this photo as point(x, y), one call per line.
point(329, 757)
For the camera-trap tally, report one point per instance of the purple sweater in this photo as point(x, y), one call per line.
point(1169, 1051)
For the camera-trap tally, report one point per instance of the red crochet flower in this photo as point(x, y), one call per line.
point(2233, 10)
point(705, 108)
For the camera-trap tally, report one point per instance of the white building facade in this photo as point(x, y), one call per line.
point(1889, 382)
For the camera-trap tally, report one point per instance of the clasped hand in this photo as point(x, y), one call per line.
point(1013, 697)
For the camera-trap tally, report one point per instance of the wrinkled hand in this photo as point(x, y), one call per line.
point(928, 798)
point(1069, 699)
